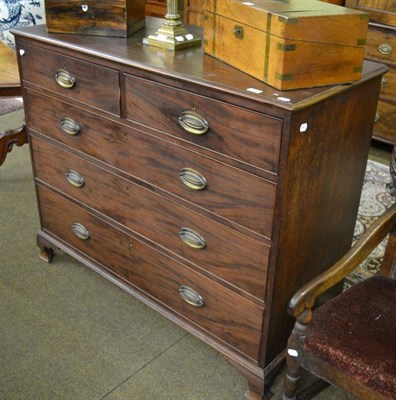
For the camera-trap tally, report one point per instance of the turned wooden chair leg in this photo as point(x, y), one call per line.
point(293, 369)
point(291, 379)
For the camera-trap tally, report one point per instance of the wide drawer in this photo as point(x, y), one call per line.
point(380, 11)
point(219, 250)
point(381, 45)
point(385, 121)
point(237, 133)
point(224, 314)
point(226, 191)
point(79, 80)
point(388, 85)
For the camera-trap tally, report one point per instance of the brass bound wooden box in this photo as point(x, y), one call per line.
point(100, 17)
point(287, 44)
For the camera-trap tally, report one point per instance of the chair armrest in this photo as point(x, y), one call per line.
point(304, 299)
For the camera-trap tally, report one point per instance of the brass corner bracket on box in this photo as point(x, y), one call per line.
point(172, 35)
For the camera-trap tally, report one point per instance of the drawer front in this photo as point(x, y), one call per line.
point(388, 85)
point(79, 80)
point(385, 121)
point(381, 46)
point(380, 11)
point(221, 251)
point(224, 314)
point(229, 192)
point(207, 123)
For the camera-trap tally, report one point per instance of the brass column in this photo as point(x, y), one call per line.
point(172, 35)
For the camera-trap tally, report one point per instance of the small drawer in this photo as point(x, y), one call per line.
point(219, 250)
point(78, 80)
point(205, 122)
point(385, 122)
point(215, 309)
point(229, 192)
point(388, 85)
point(381, 45)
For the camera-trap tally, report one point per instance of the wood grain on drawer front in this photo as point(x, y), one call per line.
point(388, 85)
point(231, 193)
point(228, 254)
point(156, 274)
point(380, 11)
point(381, 45)
point(159, 107)
point(94, 85)
point(385, 121)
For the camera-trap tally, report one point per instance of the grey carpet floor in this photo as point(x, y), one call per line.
point(67, 333)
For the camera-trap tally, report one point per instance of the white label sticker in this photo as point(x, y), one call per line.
point(253, 90)
point(292, 352)
point(303, 127)
point(179, 38)
point(21, 52)
point(189, 36)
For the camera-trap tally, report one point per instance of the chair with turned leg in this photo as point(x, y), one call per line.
point(349, 341)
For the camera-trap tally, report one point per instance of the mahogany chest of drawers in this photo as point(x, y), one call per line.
point(381, 47)
point(200, 190)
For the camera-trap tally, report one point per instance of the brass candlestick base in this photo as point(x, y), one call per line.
point(172, 35)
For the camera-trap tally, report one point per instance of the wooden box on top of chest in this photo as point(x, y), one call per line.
point(287, 44)
point(119, 18)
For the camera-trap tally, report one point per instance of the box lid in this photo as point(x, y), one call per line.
point(304, 20)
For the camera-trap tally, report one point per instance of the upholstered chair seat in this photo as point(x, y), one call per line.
point(364, 314)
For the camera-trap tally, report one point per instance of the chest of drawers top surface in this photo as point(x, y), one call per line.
point(189, 65)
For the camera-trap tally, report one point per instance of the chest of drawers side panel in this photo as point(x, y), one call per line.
point(318, 197)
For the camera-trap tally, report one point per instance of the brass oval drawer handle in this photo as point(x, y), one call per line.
point(64, 78)
point(193, 122)
point(191, 296)
point(385, 48)
point(192, 179)
point(75, 178)
point(80, 231)
point(192, 238)
point(69, 126)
